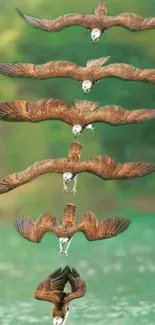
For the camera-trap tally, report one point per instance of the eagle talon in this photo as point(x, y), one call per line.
point(61, 253)
point(65, 188)
point(74, 191)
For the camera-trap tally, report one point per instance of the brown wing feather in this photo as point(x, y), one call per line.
point(75, 152)
point(39, 168)
point(104, 167)
point(52, 288)
point(35, 230)
point(58, 23)
point(130, 21)
point(107, 168)
point(115, 115)
point(69, 215)
point(86, 106)
point(89, 224)
point(125, 72)
point(53, 69)
point(77, 284)
point(35, 111)
point(26, 70)
point(110, 227)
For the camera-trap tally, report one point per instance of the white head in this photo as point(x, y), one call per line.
point(76, 129)
point(63, 240)
point(86, 86)
point(67, 177)
point(58, 320)
point(95, 34)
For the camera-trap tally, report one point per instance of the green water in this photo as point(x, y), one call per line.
point(120, 277)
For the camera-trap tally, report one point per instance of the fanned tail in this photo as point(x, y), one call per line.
point(75, 151)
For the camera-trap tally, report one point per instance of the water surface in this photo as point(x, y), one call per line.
point(120, 277)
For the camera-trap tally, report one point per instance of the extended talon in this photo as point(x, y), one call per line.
point(92, 129)
point(61, 253)
point(74, 191)
point(65, 189)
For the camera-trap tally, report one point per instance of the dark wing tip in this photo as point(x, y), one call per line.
point(5, 186)
point(66, 269)
point(74, 273)
point(5, 110)
point(121, 225)
point(55, 274)
point(127, 222)
point(20, 13)
point(17, 224)
point(59, 271)
point(22, 224)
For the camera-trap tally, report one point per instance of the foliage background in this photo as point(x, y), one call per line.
point(22, 144)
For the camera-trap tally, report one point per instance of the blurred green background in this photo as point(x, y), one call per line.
point(22, 144)
point(119, 272)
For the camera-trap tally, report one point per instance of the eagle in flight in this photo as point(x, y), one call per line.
point(102, 166)
point(88, 224)
point(86, 76)
point(97, 23)
point(52, 290)
point(79, 116)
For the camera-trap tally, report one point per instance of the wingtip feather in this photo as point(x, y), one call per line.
point(19, 12)
point(23, 224)
point(74, 273)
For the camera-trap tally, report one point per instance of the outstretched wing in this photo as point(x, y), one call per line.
point(125, 72)
point(75, 152)
point(107, 168)
point(130, 21)
point(58, 23)
point(53, 69)
point(69, 215)
point(35, 230)
point(52, 288)
point(41, 110)
point(107, 228)
point(37, 169)
point(115, 115)
point(78, 286)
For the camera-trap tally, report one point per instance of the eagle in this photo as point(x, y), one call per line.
point(86, 76)
point(102, 166)
point(79, 116)
point(97, 23)
point(52, 290)
point(88, 224)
